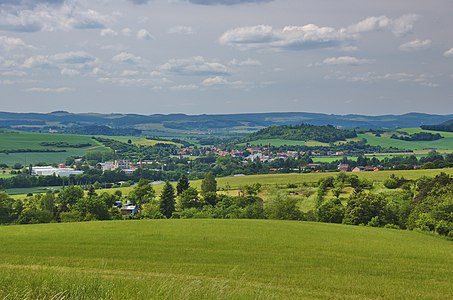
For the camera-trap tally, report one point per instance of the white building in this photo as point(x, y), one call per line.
point(49, 171)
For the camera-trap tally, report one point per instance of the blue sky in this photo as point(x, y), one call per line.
point(226, 56)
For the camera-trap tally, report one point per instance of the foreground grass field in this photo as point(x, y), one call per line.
point(221, 259)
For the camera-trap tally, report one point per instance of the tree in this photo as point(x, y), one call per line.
point(189, 198)
point(68, 197)
point(142, 193)
point(167, 200)
point(281, 207)
point(331, 211)
point(209, 184)
point(183, 184)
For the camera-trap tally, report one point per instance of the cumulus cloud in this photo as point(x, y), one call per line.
point(77, 59)
point(50, 90)
point(143, 34)
point(126, 57)
point(50, 18)
point(247, 62)
point(449, 53)
point(108, 32)
point(11, 43)
point(69, 72)
point(346, 60)
point(311, 36)
point(399, 26)
point(180, 29)
point(416, 45)
point(126, 31)
point(289, 38)
point(185, 87)
point(401, 77)
point(195, 66)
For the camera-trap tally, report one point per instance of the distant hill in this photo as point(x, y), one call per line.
point(210, 123)
point(303, 132)
point(445, 126)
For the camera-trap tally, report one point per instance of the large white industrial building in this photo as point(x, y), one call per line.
point(49, 171)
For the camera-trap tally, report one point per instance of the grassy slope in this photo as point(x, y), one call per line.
point(26, 140)
point(385, 141)
point(221, 259)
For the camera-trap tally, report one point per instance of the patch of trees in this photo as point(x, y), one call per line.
point(64, 145)
point(425, 204)
point(303, 132)
point(445, 126)
point(419, 136)
point(103, 130)
point(6, 151)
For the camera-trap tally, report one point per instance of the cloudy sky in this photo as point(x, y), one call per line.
point(226, 56)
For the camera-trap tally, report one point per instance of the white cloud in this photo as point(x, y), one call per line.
point(289, 38)
point(346, 60)
point(194, 66)
point(143, 34)
point(33, 18)
point(50, 90)
point(128, 82)
point(108, 32)
point(14, 73)
point(220, 2)
point(217, 80)
point(399, 26)
point(11, 43)
point(126, 31)
point(127, 73)
point(185, 87)
point(416, 45)
point(126, 57)
point(247, 62)
point(75, 59)
point(401, 77)
point(187, 30)
point(69, 72)
point(449, 53)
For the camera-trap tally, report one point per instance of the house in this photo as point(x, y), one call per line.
point(358, 169)
point(128, 210)
point(343, 167)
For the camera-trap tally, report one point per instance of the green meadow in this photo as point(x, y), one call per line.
point(221, 259)
point(12, 140)
point(446, 143)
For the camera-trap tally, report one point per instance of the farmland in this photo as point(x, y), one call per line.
point(221, 259)
point(13, 140)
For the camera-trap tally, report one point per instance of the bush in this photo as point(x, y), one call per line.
point(70, 216)
point(282, 207)
point(444, 228)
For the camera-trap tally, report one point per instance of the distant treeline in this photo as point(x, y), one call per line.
point(419, 136)
point(31, 150)
point(303, 132)
point(446, 126)
point(103, 130)
point(64, 145)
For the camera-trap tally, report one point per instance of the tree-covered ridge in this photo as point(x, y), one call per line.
point(419, 136)
point(445, 126)
point(304, 132)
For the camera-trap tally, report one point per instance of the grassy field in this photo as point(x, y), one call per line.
point(385, 141)
point(140, 140)
point(221, 259)
point(11, 140)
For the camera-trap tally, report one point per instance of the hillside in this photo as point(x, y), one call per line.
point(221, 259)
point(303, 132)
point(176, 123)
point(445, 126)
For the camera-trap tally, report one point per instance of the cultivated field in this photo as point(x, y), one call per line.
point(13, 140)
point(221, 259)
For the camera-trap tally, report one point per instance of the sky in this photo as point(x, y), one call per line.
point(226, 56)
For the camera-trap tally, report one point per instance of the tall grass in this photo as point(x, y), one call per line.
point(221, 259)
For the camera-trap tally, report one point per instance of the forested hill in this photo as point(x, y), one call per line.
point(445, 126)
point(304, 132)
point(61, 120)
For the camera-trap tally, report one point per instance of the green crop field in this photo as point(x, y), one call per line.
point(221, 259)
point(385, 141)
point(140, 140)
point(12, 140)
